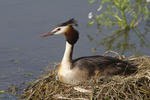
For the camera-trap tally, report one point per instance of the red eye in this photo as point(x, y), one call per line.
point(58, 29)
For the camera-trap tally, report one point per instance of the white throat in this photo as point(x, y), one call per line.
point(67, 58)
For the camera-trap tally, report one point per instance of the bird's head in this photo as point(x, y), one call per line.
point(67, 29)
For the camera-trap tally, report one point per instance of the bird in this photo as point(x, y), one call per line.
point(73, 71)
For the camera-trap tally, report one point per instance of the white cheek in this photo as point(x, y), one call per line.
point(61, 31)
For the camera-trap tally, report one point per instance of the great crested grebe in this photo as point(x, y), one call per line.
point(73, 71)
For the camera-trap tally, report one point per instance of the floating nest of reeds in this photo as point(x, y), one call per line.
point(133, 87)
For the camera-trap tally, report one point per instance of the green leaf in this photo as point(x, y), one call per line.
point(105, 1)
point(90, 23)
point(2, 91)
point(91, 1)
point(90, 38)
point(119, 18)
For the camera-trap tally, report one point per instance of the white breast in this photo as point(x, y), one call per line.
point(67, 75)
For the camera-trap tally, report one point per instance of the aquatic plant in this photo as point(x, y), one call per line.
point(121, 23)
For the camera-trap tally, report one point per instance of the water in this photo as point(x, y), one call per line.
point(22, 51)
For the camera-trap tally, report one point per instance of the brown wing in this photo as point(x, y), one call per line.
point(106, 65)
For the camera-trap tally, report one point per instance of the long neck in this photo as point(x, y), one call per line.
point(67, 58)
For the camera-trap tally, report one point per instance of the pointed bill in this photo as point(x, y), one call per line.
point(47, 34)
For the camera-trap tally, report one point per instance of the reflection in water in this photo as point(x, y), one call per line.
point(22, 52)
point(125, 22)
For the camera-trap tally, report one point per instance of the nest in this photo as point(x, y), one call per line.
point(133, 87)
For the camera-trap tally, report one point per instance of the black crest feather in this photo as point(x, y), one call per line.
point(72, 21)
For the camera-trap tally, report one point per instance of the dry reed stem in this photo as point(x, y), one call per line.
point(133, 87)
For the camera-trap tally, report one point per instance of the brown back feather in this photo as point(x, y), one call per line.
point(105, 64)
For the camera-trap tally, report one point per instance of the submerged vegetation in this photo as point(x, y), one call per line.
point(122, 24)
point(133, 87)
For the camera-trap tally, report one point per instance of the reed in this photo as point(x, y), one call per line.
point(133, 87)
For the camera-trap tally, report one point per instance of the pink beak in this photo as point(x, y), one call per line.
point(46, 34)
